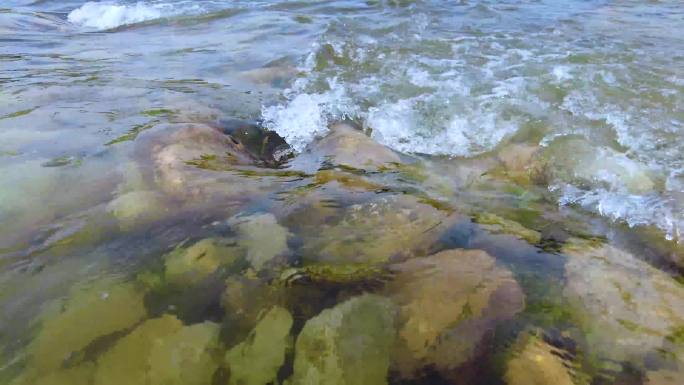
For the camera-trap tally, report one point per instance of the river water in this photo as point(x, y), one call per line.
point(594, 88)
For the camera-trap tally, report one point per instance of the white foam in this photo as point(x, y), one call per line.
point(632, 209)
point(108, 15)
point(307, 116)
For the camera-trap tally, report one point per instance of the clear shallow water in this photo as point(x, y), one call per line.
point(593, 88)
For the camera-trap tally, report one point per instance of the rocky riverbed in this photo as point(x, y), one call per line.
point(231, 259)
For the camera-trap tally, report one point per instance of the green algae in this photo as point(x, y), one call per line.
point(158, 112)
point(133, 133)
point(18, 113)
point(335, 274)
point(61, 161)
point(256, 360)
point(349, 344)
point(498, 225)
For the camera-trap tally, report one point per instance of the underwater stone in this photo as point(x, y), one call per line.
point(126, 362)
point(88, 313)
point(166, 154)
point(256, 361)
point(395, 226)
point(447, 303)
point(262, 237)
point(349, 344)
point(346, 146)
point(137, 207)
point(627, 308)
point(79, 375)
point(537, 363)
point(192, 264)
point(185, 357)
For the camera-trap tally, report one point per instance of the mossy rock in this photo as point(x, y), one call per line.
point(390, 227)
point(262, 238)
point(628, 309)
point(349, 344)
point(256, 360)
point(498, 225)
point(127, 361)
point(90, 312)
point(447, 303)
point(189, 265)
point(534, 362)
point(79, 375)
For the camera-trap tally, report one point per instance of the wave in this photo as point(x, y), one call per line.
point(109, 15)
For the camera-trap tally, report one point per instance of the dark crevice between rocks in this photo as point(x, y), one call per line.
point(267, 147)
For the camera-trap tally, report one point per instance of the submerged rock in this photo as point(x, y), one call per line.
point(137, 207)
point(127, 361)
point(448, 302)
point(256, 361)
point(189, 265)
point(79, 375)
point(184, 160)
point(185, 357)
point(262, 238)
point(394, 226)
point(346, 146)
point(349, 344)
point(628, 309)
point(535, 362)
point(90, 312)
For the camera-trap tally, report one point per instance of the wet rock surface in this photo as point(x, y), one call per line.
point(630, 311)
point(448, 302)
point(390, 227)
point(348, 344)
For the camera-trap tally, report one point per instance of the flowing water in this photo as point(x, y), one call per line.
point(546, 133)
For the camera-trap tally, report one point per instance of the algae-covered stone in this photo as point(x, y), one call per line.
point(498, 225)
point(395, 226)
point(262, 237)
point(137, 208)
point(256, 361)
point(192, 264)
point(448, 302)
point(78, 375)
point(90, 312)
point(185, 357)
point(535, 362)
point(349, 344)
point(627, 308)
point(127, 361)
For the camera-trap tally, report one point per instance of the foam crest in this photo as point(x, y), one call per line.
point(108, 15)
